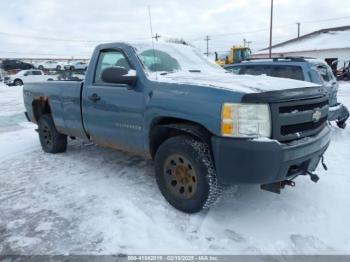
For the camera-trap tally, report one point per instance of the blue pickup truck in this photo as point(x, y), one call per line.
point(203, 127)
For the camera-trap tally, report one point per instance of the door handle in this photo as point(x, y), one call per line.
point(94, 97)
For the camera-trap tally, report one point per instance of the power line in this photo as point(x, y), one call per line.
point(325, 20)
point(267, 29)
point(144, 38)
point(62, 39)
point(41, 54)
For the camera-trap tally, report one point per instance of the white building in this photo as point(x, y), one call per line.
point(329, 44)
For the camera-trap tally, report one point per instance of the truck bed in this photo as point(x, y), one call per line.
point(64, 99)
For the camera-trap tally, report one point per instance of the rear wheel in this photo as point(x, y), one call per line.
point(41, 67)
point(185, 174)
point(50, 139)
point(58, 67)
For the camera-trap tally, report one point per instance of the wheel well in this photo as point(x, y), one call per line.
point(40, 107)
point(18, 79)
point(163, 128)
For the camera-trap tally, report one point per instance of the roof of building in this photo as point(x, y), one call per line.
point(324, 39)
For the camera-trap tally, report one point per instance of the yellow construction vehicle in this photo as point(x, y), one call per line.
point(236, 55)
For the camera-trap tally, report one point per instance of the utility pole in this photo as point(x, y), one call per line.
point(298, 29)
point(207, 39)
point(246, 43)
point(271, 15)
point(156, 37)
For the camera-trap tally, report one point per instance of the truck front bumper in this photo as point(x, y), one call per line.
point(240, 161)
point(339, 112)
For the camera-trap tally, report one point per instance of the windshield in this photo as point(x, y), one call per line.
point(171, 58)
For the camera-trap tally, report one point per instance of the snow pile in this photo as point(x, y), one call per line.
point(93, 200)
point(12, 108)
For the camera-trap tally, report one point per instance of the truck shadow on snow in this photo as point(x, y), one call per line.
point(138, 170)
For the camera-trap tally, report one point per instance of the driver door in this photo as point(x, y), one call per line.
point(113, 113)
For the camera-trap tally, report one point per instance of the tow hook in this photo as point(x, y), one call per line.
point(314, 178)
point(276, 187)
point(287, 183)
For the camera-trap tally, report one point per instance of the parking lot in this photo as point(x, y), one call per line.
point(93, 200)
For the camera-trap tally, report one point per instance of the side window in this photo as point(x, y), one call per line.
point(29, 73)
point(288, 71)
point(107, 59)
point(234, 69)
point(255, 70)
point(37, 73)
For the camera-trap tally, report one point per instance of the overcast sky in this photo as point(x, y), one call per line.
point(81, 24)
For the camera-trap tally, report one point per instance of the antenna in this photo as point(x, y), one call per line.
point(151, 28)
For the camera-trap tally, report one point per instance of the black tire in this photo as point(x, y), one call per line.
point(51, 141)
point(71, 68)
point(198, 188)
point(18, 82)
point(341, 124)
point(58, 67)
point(41, 67)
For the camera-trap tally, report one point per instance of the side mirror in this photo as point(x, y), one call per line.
point(119, 75)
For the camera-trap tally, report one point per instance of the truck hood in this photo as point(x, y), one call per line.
point(228, 81)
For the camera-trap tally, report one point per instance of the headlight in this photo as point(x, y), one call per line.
point(245, 120)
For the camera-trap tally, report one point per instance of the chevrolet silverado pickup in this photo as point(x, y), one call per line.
point(203, 127)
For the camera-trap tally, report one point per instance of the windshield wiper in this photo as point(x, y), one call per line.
point(194, 71)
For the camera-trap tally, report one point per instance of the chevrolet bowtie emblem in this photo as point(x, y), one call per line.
point(316, 116)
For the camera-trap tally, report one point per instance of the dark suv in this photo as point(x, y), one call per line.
point(304, 69)
point(12, 64)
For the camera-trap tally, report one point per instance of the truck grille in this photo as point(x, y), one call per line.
point(298, 119)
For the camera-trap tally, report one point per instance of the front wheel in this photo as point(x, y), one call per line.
point(50, 139)
point(18, 82)
point(186, 175)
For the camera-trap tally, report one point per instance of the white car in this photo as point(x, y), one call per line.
point(2, 75)
point(76, 65)
point(27, 76)
point(50, 64)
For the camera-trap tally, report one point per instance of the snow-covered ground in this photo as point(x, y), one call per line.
point(93, 200)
